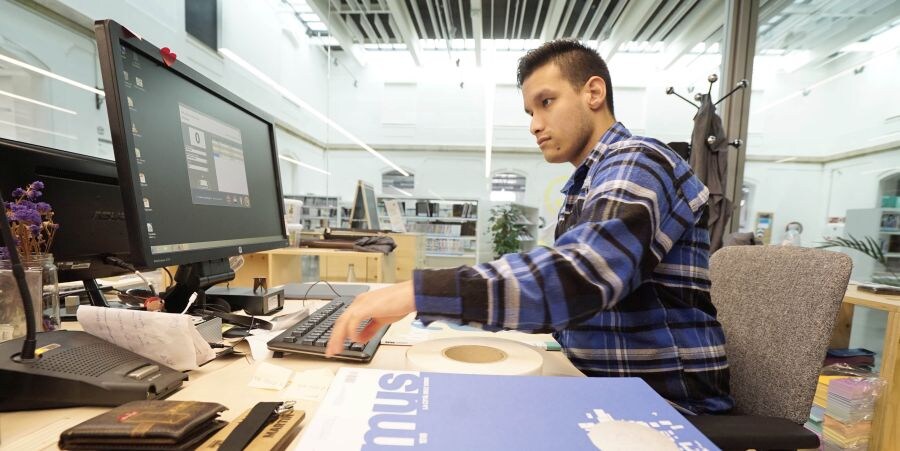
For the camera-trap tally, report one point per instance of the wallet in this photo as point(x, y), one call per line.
point(145, 425)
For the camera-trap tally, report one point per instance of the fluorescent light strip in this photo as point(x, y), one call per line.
point(40, 130)
point(785, 160)
point(37, 102)
point(302, 164)
point(51, 75)
point(307, 107)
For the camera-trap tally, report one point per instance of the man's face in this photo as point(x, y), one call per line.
point(560, 116)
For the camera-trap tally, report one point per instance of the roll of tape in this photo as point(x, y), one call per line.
point(474, 355)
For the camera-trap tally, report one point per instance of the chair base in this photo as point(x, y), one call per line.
point(742, 432)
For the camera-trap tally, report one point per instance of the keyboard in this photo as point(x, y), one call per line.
point(310, 336)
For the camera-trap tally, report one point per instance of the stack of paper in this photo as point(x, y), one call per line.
point(851, 402)
point(821, 398)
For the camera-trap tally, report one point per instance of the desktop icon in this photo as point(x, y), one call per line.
point(130, 102)
point(125, 73)
point(137, 152)
point(146, 203)
point(134, 129)
point(143, 179)
point(149, 227)
point(139, 82)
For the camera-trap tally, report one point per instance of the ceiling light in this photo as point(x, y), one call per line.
point(305, 106)
point(302, 164)
point(37, 102)
point(47, 73)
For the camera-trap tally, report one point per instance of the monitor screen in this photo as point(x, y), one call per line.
point(199, 165)
point(87, 205)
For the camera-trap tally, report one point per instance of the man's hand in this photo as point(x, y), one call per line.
point(383, 306)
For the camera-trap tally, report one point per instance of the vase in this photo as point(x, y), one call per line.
point(43, 286)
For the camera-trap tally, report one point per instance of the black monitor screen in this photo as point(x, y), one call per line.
point(87, 206)
point(200, 165)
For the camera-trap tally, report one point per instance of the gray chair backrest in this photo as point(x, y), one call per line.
point(777, 305)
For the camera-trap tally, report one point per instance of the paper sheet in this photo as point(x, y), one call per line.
point(310, 384)
point(162, 337)
point(270, 377)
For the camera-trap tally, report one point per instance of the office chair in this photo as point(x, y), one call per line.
point(777, 306)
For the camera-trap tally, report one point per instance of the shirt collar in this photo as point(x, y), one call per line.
point(617, 132)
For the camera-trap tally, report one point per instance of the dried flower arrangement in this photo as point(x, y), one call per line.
point(31, 222)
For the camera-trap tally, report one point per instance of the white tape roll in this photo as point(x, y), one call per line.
point(474, 355)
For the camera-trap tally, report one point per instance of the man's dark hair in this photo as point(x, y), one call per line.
point(576, 61)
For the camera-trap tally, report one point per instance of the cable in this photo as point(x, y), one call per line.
point(316, 283)
point(169, 273)
point(190, 302)
point(116, 261)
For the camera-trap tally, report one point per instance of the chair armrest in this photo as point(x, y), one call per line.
point(742, 432)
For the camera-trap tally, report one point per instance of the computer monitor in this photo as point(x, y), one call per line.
point(87, 204)
point(198, 165)
point(364, 214)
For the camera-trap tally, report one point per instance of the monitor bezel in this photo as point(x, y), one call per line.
point(110, 35)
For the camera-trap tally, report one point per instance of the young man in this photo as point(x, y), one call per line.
point(624, 289)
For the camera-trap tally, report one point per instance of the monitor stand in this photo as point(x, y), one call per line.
point(196, 278)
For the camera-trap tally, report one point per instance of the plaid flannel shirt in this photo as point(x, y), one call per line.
point(624, 289)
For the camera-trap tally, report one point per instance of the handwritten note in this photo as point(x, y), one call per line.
point(167, 338)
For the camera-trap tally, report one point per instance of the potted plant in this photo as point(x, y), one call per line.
point(505, 229)
point(868, 246)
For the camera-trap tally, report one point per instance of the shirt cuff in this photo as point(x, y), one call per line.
point(450, 294)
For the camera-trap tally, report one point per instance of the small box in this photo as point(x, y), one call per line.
point(261, 302)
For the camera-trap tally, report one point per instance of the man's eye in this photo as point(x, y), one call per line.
point(546, 102)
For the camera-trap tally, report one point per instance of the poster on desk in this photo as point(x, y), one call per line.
point(370, 409)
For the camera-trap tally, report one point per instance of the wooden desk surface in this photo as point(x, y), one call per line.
point(224, 381)
point(868, 299)
point(316, 251)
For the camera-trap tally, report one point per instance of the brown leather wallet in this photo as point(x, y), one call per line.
point(144, 425)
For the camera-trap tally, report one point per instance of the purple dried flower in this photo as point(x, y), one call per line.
point(37, 185)
point(43, 207)
point(34, 194)
point(4, 253)
point(18, 192)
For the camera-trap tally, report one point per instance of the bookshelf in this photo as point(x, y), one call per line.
point(450, 228)
point(883, 225)
point(318, 211)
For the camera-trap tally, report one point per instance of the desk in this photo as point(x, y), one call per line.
point(281, 266)
point(885, 430)
point(223, 381)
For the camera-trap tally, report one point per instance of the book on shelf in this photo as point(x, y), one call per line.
point(384, 409)
point(422, 208)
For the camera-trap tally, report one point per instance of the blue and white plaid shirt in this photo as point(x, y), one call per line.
point(624, 289)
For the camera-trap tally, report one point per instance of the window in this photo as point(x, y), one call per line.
point(394, 183)
point(508, 186)
point(201, 20)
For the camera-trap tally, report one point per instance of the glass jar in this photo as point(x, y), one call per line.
point(43, 285)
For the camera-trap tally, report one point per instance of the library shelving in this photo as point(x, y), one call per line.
point(318, 211)
point(450, 228)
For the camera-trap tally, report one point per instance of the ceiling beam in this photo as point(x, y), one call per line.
point(561, 29)
point(371, 34)
point(595, 21)
point(634, 15)
point(477, 29)
point(705, 20)
point(339, 32)
point(551, 23)
point(401, 17)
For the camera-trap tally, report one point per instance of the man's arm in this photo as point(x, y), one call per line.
point(633, 215)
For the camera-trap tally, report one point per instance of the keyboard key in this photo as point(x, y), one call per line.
point(321, 342)
point(290, 339)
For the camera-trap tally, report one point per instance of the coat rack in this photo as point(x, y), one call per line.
point(713, 78)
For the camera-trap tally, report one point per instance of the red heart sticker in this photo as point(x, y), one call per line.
point(168, 56)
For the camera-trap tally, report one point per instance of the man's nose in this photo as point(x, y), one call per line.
point(536, 125)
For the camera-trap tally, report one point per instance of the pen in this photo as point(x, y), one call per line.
point(545, 345)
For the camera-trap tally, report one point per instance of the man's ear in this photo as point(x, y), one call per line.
point(595, 88)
